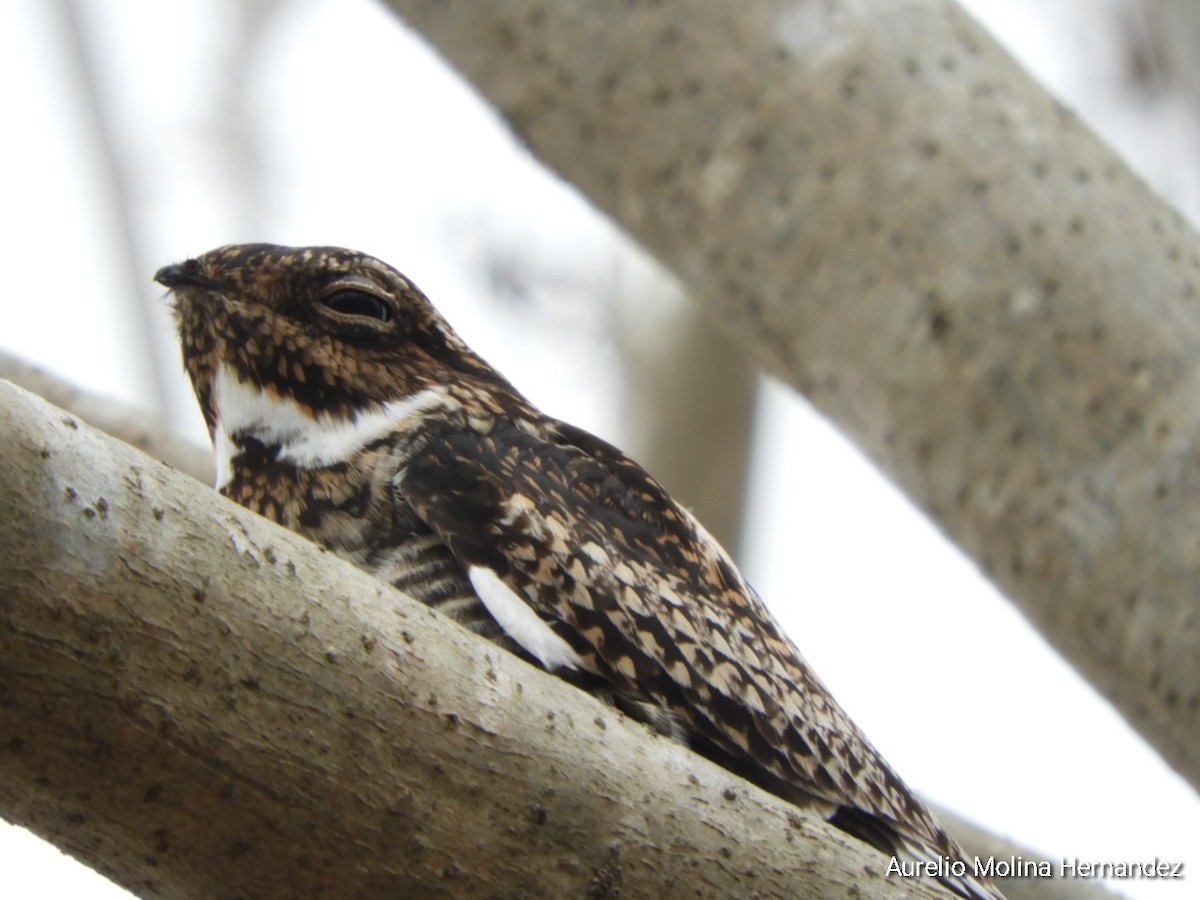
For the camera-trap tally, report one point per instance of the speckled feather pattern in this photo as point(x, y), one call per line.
point(664, 624)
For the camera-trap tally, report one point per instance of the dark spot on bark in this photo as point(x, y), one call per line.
point(939, 324)
point(962, 496)
point(605, 883)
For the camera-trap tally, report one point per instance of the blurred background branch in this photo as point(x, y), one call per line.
point(116, 183)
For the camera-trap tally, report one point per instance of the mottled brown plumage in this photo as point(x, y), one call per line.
point(344, 407)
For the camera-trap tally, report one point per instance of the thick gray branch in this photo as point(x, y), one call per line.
point(899, 222)
point(112, 417)
point(199, 704)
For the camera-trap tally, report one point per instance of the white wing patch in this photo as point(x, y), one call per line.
point(521, 623)
point(224, 452)
point(307, 441)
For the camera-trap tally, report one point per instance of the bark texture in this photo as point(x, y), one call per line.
point(898, 221)
point(199, 704)
point(112, 417)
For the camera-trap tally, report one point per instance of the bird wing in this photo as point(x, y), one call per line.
point(551, 521)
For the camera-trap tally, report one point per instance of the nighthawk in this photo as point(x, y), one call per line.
point(344, 407)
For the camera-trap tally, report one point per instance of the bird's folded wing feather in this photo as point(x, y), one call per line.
point(649, 601)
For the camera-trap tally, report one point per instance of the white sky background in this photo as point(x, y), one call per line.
point(364, 140)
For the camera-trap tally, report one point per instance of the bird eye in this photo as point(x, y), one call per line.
point(358, 303)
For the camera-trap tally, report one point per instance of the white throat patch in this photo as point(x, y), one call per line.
point(243, 409)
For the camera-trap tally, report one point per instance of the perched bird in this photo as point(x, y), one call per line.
point(344, 407)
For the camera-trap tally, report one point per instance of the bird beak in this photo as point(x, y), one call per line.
point(187, 273)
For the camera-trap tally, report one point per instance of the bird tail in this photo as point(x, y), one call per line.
point(950, 869)
point(953, 871)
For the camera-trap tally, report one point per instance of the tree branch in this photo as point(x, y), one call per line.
point(198, 703)
point(112, 417)
point(898, 221)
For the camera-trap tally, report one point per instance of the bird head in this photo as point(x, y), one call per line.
point(336, 332)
